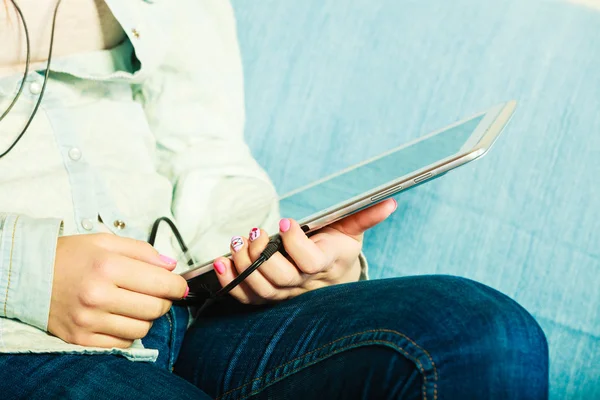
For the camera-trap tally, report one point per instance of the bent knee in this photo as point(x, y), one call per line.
point(483, 312)
point(489, 334)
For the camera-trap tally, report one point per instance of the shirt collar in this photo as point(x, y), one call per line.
point(147, 25)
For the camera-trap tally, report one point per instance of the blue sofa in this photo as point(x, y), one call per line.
point(332, 82)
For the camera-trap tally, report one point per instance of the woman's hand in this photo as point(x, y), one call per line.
point(328, 257)
point(107, 289)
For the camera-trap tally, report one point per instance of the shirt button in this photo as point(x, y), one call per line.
point(120, 224)
point(75, 154)
point(87, 224)
point(35, 88)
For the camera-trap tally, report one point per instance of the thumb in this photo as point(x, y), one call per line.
point(356, 224)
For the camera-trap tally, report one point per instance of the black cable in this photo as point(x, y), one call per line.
point(272, 247)
point(27, 61)
point(46, 75)
point(154, 231)
point(275, 244)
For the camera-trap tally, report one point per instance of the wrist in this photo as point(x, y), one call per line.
point(356, 270)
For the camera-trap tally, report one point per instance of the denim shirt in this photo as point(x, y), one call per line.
point(150, 128)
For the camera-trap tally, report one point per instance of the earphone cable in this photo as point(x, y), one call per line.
point(46, 75)
point(27, 61)
point(274, 245)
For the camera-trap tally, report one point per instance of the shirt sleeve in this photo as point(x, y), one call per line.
point(27, 253)
point(195, 106)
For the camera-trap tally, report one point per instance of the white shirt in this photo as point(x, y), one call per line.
point(150, 128)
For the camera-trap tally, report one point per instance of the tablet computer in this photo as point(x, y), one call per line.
point(362, 185)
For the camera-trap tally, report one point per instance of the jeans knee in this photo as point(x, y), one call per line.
point(457, 310)
point(499, 339)
point(505, 322)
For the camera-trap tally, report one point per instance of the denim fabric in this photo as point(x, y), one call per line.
point(166, 335)
point(331, 82)
point(429, 337)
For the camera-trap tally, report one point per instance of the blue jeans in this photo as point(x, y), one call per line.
point(423, 337)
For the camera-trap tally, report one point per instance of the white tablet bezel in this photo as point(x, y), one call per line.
point(478, 144)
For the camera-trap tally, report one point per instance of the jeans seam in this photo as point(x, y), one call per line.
point(341, 350)
point(353, 345)
point(171, 339)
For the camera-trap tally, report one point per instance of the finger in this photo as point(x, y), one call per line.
point(259, 238)
point(101, 340)
point(304, 252)
point(282, 273)
point(356, 224)
point(226, 273)
point(135, 249)
point(136, 305)
point(277, 270)
point(143, 278)
point(123, 327)
point(255, 281)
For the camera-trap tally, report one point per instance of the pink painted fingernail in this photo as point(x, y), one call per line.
point(237, 243)
point(254, 234)
point(187, 290)
point(219, 267)
point(168, 260)
point(284, 225)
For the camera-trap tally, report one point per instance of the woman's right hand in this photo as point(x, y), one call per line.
point(107, 289)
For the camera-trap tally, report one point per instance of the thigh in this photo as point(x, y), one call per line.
point(464, 339)
point(69, 376)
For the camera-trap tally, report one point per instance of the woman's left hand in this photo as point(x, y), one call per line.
point(328, 257)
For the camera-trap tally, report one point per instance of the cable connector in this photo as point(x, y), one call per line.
point(274, 245)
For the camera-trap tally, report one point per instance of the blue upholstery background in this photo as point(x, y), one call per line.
point(332, 82)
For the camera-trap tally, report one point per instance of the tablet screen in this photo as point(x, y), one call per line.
point(338, 189)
